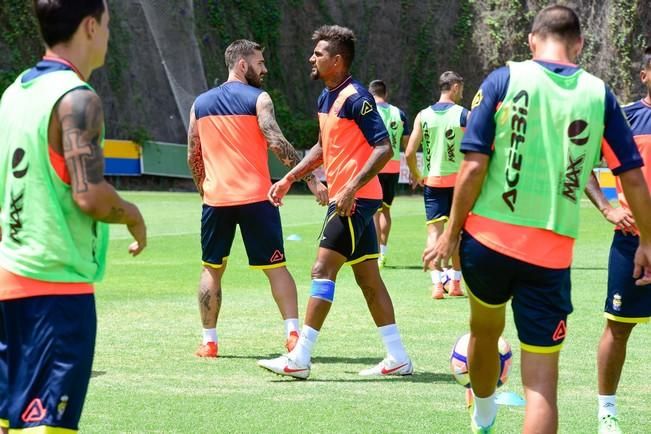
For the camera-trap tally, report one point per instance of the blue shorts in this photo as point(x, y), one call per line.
point(540, 297)
point(625, 301)
point(353, 237)
point(46, 354)
point(438, 203)
point(261, 231)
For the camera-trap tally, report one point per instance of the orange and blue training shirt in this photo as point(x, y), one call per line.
point(350, 127)
point(638, 115)
point(233, 147)
point(537, 246)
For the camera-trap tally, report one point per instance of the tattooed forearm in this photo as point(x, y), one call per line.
point(278, 144)
point(195, 156)
point(195, 163)
point(115, 215)
point(312, 161)
point(82, 120)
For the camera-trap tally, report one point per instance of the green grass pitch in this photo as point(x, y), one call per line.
point(146, 379)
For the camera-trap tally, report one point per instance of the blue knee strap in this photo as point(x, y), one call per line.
point(323, 289)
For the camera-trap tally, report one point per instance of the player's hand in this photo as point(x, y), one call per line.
point(319, 191)
point(416, 182)
point(345, 202)
point(138, 231)
point(278, 191)
point(438, 256)
point(622, 218)
point(642, 261)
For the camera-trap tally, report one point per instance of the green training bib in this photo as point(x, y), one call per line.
point(547, 140)
point(45, 235)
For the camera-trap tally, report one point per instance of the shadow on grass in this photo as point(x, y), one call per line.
point(404, 267)
point(338, 359)
point(416, 377)
point(590, 268)
point(94, 374)
point(266, 356)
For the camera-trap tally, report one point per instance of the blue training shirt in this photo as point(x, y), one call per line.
point(356, 108)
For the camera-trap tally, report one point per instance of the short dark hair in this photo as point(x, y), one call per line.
point(341, 40)
point(58, 20)
point(646, 58)
point(240, 48)
point(378, 88)
point(559, 21)
point(447, 79)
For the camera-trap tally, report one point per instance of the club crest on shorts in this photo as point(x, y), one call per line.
point(61, 406)
point(617, 302)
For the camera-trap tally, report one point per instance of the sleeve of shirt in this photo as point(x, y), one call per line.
point(618, 147)
point(480, 128)
point(365, 114)
point(407, 128)
point(463, 121)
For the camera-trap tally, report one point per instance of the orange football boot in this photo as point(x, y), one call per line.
point(437, 291)
point(207, 350)
point(456, 289)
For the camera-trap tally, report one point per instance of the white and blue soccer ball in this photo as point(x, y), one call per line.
point(459, 360)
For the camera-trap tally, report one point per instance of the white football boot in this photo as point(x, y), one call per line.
point(284, 365)
point(389, 367)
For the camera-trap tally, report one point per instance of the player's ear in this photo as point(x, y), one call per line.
point(242, 65)
point(578, 47)
point(644, 76)
point(89, 26)
point(532, 42)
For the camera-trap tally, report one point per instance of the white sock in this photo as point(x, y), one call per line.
point(302, 353)
point(383, 249)
point(291, 325)
point(209, 335)
point(436, 276)
point(456, 274)
point(485, 410)
point(607, 405)
point(393, 343)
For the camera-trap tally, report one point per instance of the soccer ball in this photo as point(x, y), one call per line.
point(459, 360)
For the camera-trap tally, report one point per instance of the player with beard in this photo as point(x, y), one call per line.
point(353, 146)
point(231, 128)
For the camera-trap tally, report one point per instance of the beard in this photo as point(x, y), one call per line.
point(252, 78)
point(314, 74)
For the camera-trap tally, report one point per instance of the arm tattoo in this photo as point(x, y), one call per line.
point(82, 120)
point(195, 156)
point(278, 144)
point(115, 215)
point(312, 161)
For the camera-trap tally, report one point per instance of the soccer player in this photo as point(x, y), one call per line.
point(627, 304)
point(534, 135)
point(55, 206)
point(396, 124)
point(439, 128)
point(353, 147)
point(231, 127)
